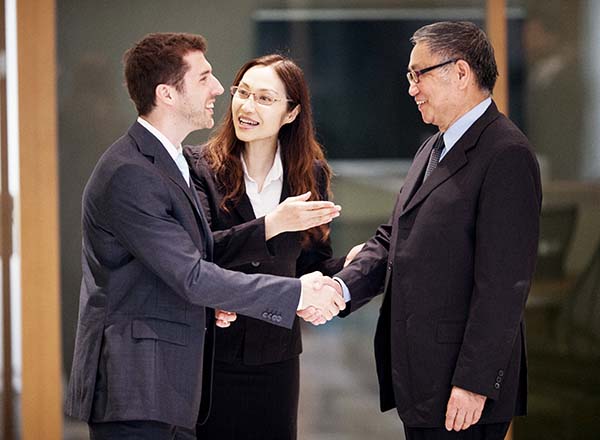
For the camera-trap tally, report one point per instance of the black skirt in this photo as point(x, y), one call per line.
point(253, 402)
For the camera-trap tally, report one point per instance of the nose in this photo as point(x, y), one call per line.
point(218, 90)
point(249, 104)
point(413, 89)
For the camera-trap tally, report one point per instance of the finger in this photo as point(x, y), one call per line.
point(468, 419)
point(477, 415)
point(460, 419)
point(450, 416)
point(222, 324)
point(339, 301)
point(225, 316)
point(327, 313)
point(309, 314)
point(317, 205)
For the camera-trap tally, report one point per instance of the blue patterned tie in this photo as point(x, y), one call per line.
point(435, 157)
point(183, 167)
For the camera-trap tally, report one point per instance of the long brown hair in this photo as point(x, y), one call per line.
point(300, 151)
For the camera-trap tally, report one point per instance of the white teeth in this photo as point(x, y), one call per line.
point(421, 102)
point(247, 121)
point(212, 105)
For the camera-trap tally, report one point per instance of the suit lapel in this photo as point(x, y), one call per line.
point(454, 160)
point(150, 146)
point(244, 206)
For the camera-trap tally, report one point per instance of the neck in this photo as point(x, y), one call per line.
point(172, 129)
point(259, 157)
point(467, 105)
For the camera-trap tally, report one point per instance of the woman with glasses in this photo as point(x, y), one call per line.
point(263, 182)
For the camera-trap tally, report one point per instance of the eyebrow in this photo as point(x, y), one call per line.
point(264, 89)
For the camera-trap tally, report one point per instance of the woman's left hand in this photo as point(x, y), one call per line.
point(224, 318)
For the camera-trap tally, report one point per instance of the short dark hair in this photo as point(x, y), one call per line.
point(158, 59)
point(465, 41)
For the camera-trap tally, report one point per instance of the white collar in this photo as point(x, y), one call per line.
point(275, 173)
point(173, 150)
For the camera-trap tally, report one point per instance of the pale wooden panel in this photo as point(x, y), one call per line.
point(496, 30)
point(42, 396)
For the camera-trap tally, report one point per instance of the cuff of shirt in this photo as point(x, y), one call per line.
point(300, 302)
point(345, 290)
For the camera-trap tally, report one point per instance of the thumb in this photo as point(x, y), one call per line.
point(301, 198)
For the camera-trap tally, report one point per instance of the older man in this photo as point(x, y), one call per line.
point(456, 260)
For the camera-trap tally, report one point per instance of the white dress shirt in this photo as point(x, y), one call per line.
point(266, 200)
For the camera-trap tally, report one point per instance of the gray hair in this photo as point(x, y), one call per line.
point(462, 40)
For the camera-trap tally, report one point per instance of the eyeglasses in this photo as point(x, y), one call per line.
point(414, 75)
point(264, 97)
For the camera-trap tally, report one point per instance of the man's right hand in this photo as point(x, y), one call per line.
point(320, 300)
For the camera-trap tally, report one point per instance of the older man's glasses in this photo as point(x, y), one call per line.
point(263, 97)
point(413, 76)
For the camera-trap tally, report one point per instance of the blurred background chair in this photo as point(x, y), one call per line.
point(564, 362)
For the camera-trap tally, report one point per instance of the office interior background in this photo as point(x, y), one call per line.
point(58, 117)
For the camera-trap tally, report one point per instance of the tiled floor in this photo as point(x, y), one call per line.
point(339, 398)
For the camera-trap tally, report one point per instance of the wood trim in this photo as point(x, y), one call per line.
point(41, 401)
point(6, 215)
point(497, 32)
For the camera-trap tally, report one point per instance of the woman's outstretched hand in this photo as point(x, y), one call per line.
point(299, 214)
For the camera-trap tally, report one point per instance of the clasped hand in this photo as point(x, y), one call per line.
point(322, 298)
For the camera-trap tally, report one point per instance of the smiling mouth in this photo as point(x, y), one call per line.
point(245, 122)
point(421, 102)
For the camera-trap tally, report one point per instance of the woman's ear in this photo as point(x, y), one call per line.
point(292, 115)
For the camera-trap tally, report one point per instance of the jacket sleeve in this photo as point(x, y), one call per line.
point(235, 246)
point(507, 231)
point(368, 273)
point(139, 209)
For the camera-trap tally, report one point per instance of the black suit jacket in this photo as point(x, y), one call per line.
point(455, 262)
point(240, 245)
point(147, 281)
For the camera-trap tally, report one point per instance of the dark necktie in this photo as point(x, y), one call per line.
point(434, 158)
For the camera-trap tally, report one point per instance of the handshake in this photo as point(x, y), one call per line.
point(321, 300)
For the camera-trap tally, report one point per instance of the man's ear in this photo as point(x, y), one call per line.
point(164, 94)
point(464, 72)
point(291, 116)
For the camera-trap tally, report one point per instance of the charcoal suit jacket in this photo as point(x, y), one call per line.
point(144, 335)
point(455, 263)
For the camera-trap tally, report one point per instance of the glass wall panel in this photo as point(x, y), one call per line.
point(562, 89)
point(355, 54)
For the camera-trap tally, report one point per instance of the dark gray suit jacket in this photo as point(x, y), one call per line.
point(147, 281)
point(455, 262)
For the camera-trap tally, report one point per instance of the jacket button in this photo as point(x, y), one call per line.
point(497, 385)
point(389, 266)
point(255, 263)
point(498, 379)
point(500, 373)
